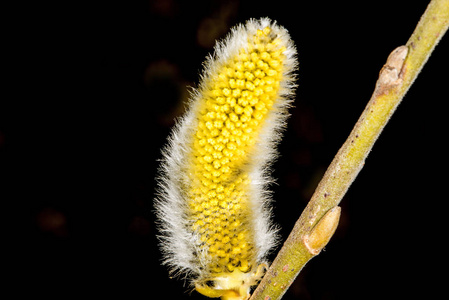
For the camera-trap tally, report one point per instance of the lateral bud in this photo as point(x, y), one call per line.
point(391, 73)
point(322, 232)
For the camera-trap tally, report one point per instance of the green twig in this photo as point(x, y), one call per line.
point(320, 218)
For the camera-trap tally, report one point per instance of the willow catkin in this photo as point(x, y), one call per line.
point(213, 203)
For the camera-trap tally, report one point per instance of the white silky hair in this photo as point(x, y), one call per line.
point(179, 245)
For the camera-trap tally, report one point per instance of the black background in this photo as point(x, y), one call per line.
point(100, 86)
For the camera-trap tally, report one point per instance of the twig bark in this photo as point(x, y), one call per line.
point(320, 218)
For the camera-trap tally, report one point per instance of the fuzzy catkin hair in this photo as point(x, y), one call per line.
point(212, 202)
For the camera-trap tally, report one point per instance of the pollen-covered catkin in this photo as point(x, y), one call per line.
point(213, 205)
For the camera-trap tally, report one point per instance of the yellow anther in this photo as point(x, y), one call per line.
point(232, 83)
point(266, 30)
point(244, 267)
point(238, 109)
point(265, 56)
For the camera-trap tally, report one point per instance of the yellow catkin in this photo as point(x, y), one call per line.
point(235, 107)
point(213, 217)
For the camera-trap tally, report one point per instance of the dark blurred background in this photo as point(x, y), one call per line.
point(105, 84)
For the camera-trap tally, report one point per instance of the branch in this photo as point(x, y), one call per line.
point(319, 219)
